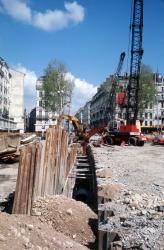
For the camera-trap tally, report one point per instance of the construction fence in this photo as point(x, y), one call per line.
point(43, 169)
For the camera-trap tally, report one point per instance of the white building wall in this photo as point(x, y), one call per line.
point(4, 86)
point(43, 118)
point(16, 107)
point(154, 115)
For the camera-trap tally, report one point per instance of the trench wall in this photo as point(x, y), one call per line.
point(44, 169)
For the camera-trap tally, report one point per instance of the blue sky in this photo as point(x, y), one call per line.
point(87, 35)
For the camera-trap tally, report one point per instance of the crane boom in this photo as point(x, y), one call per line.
point(112, 95)
point(120, 64)
point(135, 63)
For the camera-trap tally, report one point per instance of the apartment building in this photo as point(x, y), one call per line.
point(154, 114)
point(98, 108)
point(31, 120)
point(11, 98)
point(86, 114)
point(100, 105)
point(79, 114)
point(43, 117)
point(16, 107)
point(6, 122)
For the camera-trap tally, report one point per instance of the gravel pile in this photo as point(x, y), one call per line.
point(72, 218)
point(139, 222)
point(137, 207)
point(18, 232)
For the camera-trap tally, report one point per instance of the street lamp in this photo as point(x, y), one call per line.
point(60, 92)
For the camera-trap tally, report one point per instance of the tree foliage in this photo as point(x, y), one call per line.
point(147, 89)
point(56, 89)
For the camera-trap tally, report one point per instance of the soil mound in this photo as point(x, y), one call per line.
point(72, 218)
point(18, 232)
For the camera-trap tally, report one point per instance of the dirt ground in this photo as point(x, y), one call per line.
point(139, 168)
point(72, 218)
point(138, 205)
point(18, 232)
point(58, 222)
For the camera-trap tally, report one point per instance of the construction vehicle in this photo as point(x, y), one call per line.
point(110, 108)
point(78, 127)
point(128, 132)
point(70, 118)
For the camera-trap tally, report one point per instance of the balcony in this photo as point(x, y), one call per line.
point(1, 72)
point(42, 118)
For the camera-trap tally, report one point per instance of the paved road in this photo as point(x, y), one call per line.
point(8, 174)
point(136, 167)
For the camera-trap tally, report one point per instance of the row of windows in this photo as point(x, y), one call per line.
point(150, 115)
point(151, 123)
point(3, 99)
point(162, 103)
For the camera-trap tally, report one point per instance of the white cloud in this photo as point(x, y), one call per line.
point(17, 9)
point(83, 92)
point(50, 20)
point(29, 87)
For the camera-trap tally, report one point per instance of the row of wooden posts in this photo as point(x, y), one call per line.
point(43, 169)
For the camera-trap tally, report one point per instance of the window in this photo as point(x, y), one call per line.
point(40, 114)
point(151, 105)
point(145, 123)
point(150, 115)
point(46, 114)
point(40, 103)
point(40, 93)
point(151, 123)
point(146, 115)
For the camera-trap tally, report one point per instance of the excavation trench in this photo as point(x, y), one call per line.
point(85, 188)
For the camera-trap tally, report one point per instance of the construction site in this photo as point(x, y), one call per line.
point(98, 188)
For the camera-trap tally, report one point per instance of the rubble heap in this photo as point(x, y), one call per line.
point(72, 218)
point(131, 202)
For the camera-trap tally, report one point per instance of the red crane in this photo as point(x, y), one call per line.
point(129, 132)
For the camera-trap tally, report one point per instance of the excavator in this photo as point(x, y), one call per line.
point(79, 128)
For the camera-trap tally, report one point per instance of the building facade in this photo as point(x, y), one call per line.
point(31, 121)
point(79, 114)
point(7, 123)
point(16, 106)
point(86, 114)
point(43, 117)
point(100, 105)
point(154, 114)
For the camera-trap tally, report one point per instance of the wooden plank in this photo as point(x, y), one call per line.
point(17, 196)
point(38, 176)
point(31, 170)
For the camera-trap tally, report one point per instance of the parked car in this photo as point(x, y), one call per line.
point(159, 140)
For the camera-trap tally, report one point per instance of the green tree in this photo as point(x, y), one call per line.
point(147, 89)
point(56, 89)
